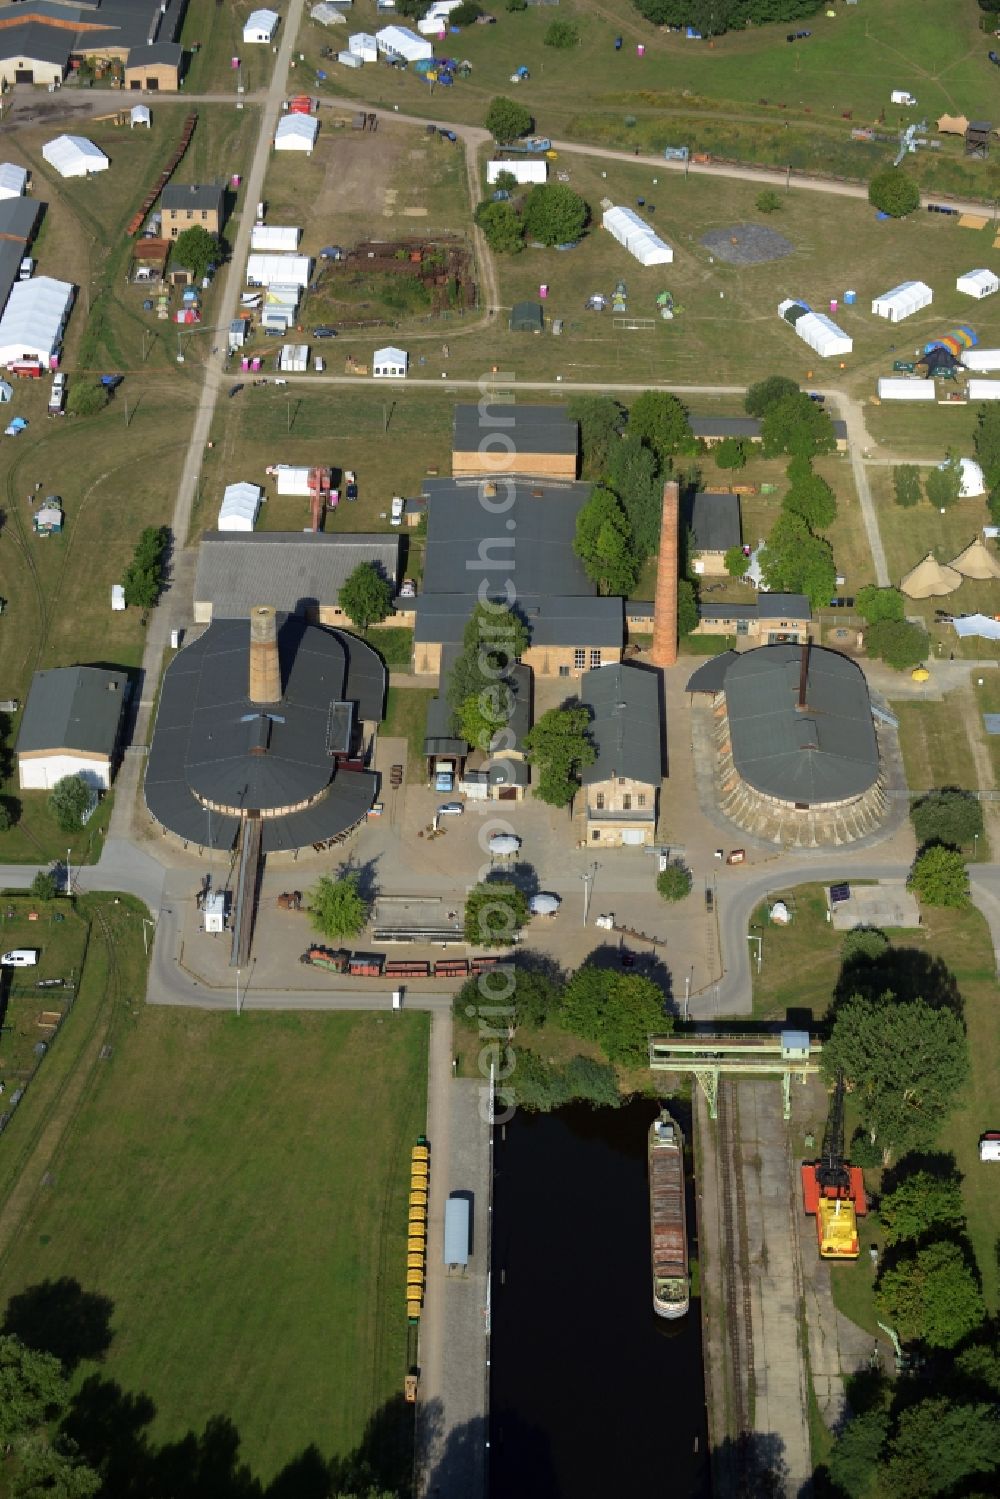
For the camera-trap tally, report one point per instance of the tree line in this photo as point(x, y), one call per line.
point(713, 17)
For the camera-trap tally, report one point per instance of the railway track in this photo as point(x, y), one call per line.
point(739, 1318)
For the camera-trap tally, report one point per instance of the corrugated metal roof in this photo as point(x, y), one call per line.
point(625, 724)
point(73, 707)
point(826, 752)
point(291, 570)
point(531, 429)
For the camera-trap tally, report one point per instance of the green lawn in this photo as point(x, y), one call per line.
point(237, 1188)
point(935, 746)
point(988, 701)
point(800, 961)
point(61, 934)
point(406, 718)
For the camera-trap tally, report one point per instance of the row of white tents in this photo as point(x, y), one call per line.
point(815, 328)
point(912, 296)
point(637, 237)
point(398, 43)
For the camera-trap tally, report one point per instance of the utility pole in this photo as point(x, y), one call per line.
point(69, 874)
point(687, 995)
point(237, 991)
point(760, 948)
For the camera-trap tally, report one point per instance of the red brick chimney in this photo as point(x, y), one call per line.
point(665, 606)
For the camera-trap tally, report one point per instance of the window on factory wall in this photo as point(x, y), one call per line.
point(641, 799)
point(626, 803)
point(595, 658)
point(579, 659)
point(599, 801)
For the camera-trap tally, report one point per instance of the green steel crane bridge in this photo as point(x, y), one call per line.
point(790, 1054)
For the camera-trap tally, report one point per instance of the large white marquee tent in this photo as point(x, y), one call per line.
point(978, 284)
point(400, 41)
point(296, 133)
point(34, 318)
point(983, 361)
point(529, 170)
point(281, 270)
point(905, 390)
point(637, 237)
point(817, 330)
point(280, 238)
point(903, 301)
point(74, 156)
point(240, 504)
point(260, 26)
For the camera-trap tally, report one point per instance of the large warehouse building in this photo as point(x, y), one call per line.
point(799, 758)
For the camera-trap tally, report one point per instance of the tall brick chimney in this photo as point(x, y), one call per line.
point(665, 606)
point(265, 670)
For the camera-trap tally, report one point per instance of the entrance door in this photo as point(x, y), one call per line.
point(632, 837)
point(152, 84)
point(24, 75)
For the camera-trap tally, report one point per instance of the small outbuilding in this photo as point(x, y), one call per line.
point(527, 317)
point(260, 27)
point(903, 301)
point(363, 45)
point(240, 507)
point(713, 521)
point(75, 156)
point(978, 284)
point(13, 180)
point(154, 68)
point(140, 114)
point(296, 132)
point(389, 363)
point(70, 727)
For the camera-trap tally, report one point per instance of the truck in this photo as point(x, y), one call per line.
point(444, 775)
point(903, 96)
point(57, 395)
point(531, 145)
point(676, 153)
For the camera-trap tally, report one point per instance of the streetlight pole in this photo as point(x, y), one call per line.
point(237, 991)
point(687, 995)
point(760, 948)
point(69, 876)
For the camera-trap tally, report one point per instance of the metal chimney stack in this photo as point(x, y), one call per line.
point(665, 606)
point(802, 704)
point(265, 670)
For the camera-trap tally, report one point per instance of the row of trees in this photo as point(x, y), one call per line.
point(550, 213)
point(987, 442)
point(143, 578)
point(713, 17)
point(942, 486)
point(890, 636)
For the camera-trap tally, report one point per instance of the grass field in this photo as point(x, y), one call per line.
point(217, 32)
point(237, 1188)
point(747, 95)
point(935, 746)
point(60, 933)
point(988, 701)
point(800, 967)
point(406, 718)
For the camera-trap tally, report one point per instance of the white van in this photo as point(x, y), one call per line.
point(396, 510)
point(20, 957)
point(989, 1146)
point(903, 96)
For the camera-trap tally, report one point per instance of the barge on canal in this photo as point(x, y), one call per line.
point(667, 1218)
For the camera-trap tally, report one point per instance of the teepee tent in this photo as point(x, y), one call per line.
point(930, 580)
point(977, 561)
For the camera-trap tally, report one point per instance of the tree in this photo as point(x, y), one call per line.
point(898, 643)
point(554, 214)
point(493, 641)
point(506, 120)
point(494, 913)
point(465, 14)
point(875, 604)
point(736, 562)
point(764, 394)
point(603, 543)
point(86, 397)
point(559, 745)
point(947, 816)
point(44, 1472)
point(940, 878)
point(196, 250)
point(336, 907)
point(661, 420)
point(43, 886)
point(812, 498)
point(32, 1390)
point(6, 816)
point(674, 882)
point(922, 1201)
point(687, 607)
point(855, 1454)
point(68, 802)
point(515, 5)
point(904, 1062)
point(366, 596)
point(731, 453)
point(501, 224)
point(943, 485)
point(481, 717)
point(865, 944)
point(768, 201)
point(931, 1295)
point(561, 34)
point(894, 193)
point(796, 561)
point(939, 1447)
point(600, 420)
point(793, 424)
point(619, 1011)
point(906, 485)
point(634, 475)
point(142, 579)
point(987, 442)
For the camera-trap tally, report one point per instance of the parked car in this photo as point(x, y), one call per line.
point(396, 511)
point(995, 59)
point(350, 484)
point(324, 331)
point(814, 395)
point(450, 809)
point(234, 390)
point(57, 395)
point(26, 269)
point(408, 589)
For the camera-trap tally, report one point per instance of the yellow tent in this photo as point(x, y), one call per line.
point(952, 125)
point(977, 561)
point(930, 580)
point(920, 674)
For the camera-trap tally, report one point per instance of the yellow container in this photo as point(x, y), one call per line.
point(415, 1278)
point(415, 1260)
point(418, 1215)
point(420, 1153)
point(416, 1243)
point(412, 1308)
point(418, 1199)
point(419, 1177)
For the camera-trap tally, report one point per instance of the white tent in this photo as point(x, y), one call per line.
point(905, 390)
point(296, 133)
point(291, 480)
point(283, 238)
point(282, 270)
point(34, 318)
point(985, 361)
point(973, 479)
point(74, 156)
point(637, 237)
point(903, 301)
point(117, 597)
point(13, 180)
point(260, 26)
point(294, 359)
point(816, 329)
point(977, 624)
point(6, 392)
point(978, 284)
point(239, 508)
point(389, 363)
point(363, 45)
point(139, 115)
point(401, 42)
point(529, 170)
point(436, 19)
point(983, 390)
point(327, 14)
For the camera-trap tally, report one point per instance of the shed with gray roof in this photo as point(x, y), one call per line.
point(504, 437)
point(714, 522)
point(70, 726)
point(622, 786)
point(302, 572)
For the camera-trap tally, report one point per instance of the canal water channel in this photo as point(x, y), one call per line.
point(592, 1394)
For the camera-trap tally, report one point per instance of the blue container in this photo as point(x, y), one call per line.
point(850, 297)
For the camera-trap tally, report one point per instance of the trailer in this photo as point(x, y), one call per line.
point(457, 1231)
point(407, 968)
point(367, 965)
point(451, 968)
